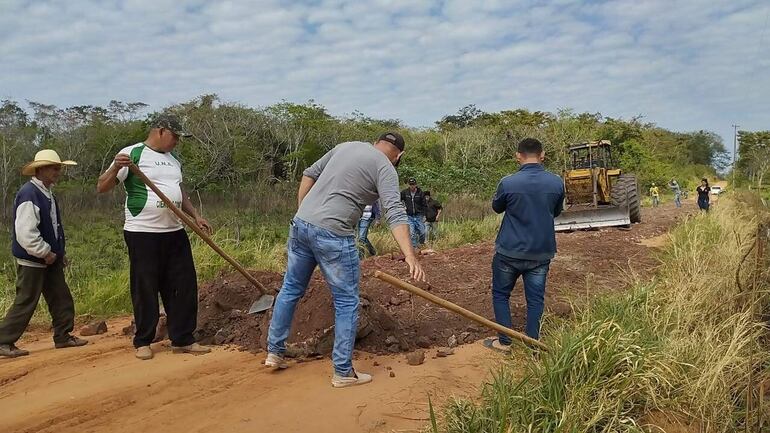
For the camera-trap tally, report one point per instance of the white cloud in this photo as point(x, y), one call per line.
point(686, 65)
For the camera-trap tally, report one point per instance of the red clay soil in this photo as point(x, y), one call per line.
point(588, 263)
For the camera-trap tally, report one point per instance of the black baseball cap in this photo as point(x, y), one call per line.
point(412, 181)
point(393, 138)
point(170, 122)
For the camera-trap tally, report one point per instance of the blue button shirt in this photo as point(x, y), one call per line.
point(531, 198)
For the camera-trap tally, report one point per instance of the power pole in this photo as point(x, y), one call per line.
point(735, 149)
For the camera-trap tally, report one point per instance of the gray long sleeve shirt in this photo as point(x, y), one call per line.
point(348, 178)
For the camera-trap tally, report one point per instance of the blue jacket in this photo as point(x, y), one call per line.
point(531, 198)
point(30, 192)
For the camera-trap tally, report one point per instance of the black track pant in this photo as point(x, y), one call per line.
point(163, 263)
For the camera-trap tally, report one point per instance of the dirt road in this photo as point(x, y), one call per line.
point(103, 388)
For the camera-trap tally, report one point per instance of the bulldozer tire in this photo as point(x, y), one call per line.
point(625, 192)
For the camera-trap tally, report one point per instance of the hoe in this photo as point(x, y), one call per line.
point(265, 300)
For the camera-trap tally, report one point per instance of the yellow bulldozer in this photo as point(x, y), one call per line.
point(597, 193)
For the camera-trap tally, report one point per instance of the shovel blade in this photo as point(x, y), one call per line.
point(263, 303)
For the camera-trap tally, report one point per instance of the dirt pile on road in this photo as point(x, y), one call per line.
point(224, 319)
point(391, 320)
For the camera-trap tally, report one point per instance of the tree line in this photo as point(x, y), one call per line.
point(234, 145)
point(753, 161)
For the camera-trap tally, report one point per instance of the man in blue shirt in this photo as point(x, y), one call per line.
point(530, 198)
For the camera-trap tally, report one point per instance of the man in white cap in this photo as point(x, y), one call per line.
point(38, 246)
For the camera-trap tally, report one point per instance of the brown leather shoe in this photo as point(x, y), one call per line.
point(71, 341)
point(11, 351)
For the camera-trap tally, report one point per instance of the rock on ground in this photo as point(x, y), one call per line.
point(94, 328)
point(415, 358)
point(423, 342)
point(161, 331)
point(452, 342)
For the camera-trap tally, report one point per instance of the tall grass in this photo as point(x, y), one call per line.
point(684, 344)
point(251, 225)
point(451, 234)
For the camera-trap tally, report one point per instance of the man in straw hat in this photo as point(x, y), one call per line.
point(38, 245)
point(159, 250)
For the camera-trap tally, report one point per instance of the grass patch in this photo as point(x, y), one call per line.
point(253, 232)
point(684, 344)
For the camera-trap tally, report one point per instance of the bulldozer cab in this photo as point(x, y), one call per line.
point(597, 194)
point(595, 154)
point(591, 171)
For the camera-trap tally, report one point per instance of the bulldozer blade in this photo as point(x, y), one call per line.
point(263, 303)
point(592, 218)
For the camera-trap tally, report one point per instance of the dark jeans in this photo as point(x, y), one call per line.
point(505, 272)
point(30, 283)
point(163, 263)
point(703, 204)
point(363, 236)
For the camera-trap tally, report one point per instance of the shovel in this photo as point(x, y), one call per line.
point(265, 301)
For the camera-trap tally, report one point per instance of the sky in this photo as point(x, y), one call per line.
point(683, 64)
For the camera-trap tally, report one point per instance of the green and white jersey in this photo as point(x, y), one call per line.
point(145, 212)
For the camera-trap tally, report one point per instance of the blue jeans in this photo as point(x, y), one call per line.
point(678, 199)
point(505, 272)
point(655, 201)
point(363, 236)
point(431, 231)
point(337, 257)
point(417, 229)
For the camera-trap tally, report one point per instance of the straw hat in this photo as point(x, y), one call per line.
point(43, 158)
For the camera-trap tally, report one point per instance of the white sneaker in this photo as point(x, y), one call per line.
point(144, 353)
point(494, 344)
point(356, 379)
point(195, 349)
point(276, 361)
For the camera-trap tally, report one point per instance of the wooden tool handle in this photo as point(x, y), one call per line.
point(194, 226)
point(458, 309)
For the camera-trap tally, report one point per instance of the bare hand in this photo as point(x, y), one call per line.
point(50, 258)
point(204, 225)
point(415, 269)
point(122, 160)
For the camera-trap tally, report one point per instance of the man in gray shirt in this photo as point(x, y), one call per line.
point(674, 185)
point(331, 198)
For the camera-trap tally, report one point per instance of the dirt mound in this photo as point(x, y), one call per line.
point(223, 316)
point(392, 320)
